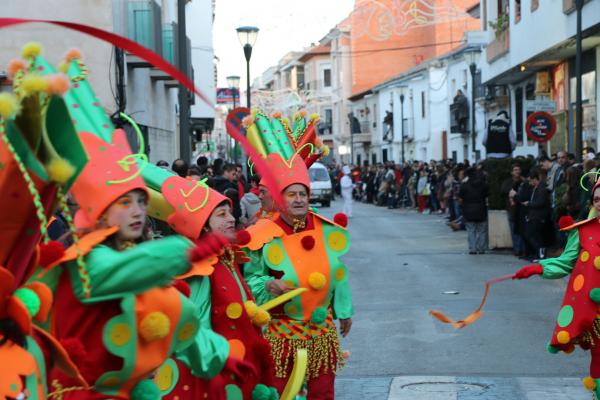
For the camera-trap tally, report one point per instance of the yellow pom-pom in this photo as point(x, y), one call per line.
point(60, 170)
point(63, 67)
point(325, 150)
point(58, 84)
point(317, 280)
point(589, 383)
point(155, 326)
point(251, 308)
point(315, 117)
point(15, 66)
point(261, 318)
point(33, 83)
point(9, 105)
point(31, 50)
point(285, 121)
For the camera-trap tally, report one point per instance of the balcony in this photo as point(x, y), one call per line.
point(569, 6)
point(361, 138)
point(144, 27)
point(498, 47)
point(169, 51)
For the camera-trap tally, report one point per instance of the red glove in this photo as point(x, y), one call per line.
point(209, 245)
point(526, 272)
point(240, 368)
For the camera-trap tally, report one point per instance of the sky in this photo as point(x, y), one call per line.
point(285, 25)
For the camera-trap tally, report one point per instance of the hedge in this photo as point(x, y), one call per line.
point(498, 170)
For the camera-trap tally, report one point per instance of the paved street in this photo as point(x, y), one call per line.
point(401, 263)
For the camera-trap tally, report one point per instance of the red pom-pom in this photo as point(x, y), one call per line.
point(341, 219)
point(308, 242)
point(183, 287)
point(50, 252)
point(565, 221)
point(243, 237)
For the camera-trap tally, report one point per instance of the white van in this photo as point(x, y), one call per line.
point(320, 184)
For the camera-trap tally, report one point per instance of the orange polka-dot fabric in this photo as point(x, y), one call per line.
point(578, 311)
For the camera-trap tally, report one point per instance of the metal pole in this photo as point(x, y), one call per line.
point(578, 89)
point(185, 143)
point(248, 55)
point(473, 68)
point(233, 92)
point(402, 123)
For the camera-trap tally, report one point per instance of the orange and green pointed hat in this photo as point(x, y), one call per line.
point(111, 172)
point(289, 151)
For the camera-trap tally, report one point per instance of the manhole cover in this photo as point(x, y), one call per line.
point(444, 387)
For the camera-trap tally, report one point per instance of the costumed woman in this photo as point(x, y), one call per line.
point(114, 308)
point(243, 368)
point(577, 322)
point(40, 156)
point(299, 249)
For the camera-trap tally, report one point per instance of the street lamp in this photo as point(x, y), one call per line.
point(247, 36)
point(233, 82)
point(578, 90)
point(472, 57)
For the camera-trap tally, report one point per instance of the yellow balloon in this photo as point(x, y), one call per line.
point(296, 380)
point(282, 299)
point(158, 207)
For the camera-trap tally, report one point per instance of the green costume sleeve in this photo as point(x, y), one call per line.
point(256, 274)
point(342, 300)
point(114, 274)
point(206, 356)
point(555, 268)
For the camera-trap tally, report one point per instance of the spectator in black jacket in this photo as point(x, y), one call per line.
point(538, 212)
point(473, 195)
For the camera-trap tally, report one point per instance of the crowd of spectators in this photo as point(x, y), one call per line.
point(536, 195)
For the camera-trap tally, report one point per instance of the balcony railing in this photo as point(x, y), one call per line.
point(569, 5)
point(144, 24)
point(498, 47)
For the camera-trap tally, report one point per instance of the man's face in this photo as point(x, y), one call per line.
point(516, 172)
point(266, 200)
point(296, 201)
point(534, 182)
point(238, 172)
point(596, 201)
point(561, 158)
point(229, 175)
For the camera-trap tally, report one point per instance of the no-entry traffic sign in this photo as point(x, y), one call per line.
point(540, 126)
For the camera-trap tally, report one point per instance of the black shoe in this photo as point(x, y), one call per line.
point(481, 252)
point(472, 252)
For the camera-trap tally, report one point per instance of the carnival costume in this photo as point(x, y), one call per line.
point(114, 309)
point(40, 156)
point(578, 322)
point(306, 255)
point(243, 368)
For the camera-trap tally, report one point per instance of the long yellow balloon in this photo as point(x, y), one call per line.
point(158, 207)
point(296, 380)
point(282, 299)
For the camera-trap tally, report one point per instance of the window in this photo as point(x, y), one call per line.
point(422, 104)
point(534, 5)
point(327, 77)
point(300, 76)
point(517, 10)
point(328, 116)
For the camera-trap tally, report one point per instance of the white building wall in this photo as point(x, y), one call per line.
point(438, 103)
point(199, 27)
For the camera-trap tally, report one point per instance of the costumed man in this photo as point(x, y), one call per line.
point(40, 157)
point(499, 139)
point(114, 308)
point(578, 322)
point(347, 188)
point(299, 249)
point(242, 367)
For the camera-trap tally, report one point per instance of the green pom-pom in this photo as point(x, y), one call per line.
point(145, 390)
point(595, 295)
point(315, 210)
point(552, 349)
point(30, 299)
point(318, 316)
point(274, 394)
point(261, 392)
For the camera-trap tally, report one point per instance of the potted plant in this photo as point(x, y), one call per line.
point(500, 25)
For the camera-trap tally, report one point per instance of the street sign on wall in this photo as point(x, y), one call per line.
point(540, 126)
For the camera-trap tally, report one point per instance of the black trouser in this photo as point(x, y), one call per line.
point(535, 236)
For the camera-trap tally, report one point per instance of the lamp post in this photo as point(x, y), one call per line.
point(233, 82)
point(247, 36)
point(185, 142)
point(402, 125)
point(578, 90)
point(471, 57)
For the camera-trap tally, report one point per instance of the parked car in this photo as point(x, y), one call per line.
point(320, 184)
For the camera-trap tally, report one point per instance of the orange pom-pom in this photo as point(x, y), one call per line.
point(72, 55)
point(58, 84)
point(341, 219)
point(50, 252)
point(243, 237)
point(276, 114)
point(15, 66)
point(248, 120)
point(302, 113)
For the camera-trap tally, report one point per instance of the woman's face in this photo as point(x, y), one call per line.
point(128, 213)
point(596, 201)
point(222, 222)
